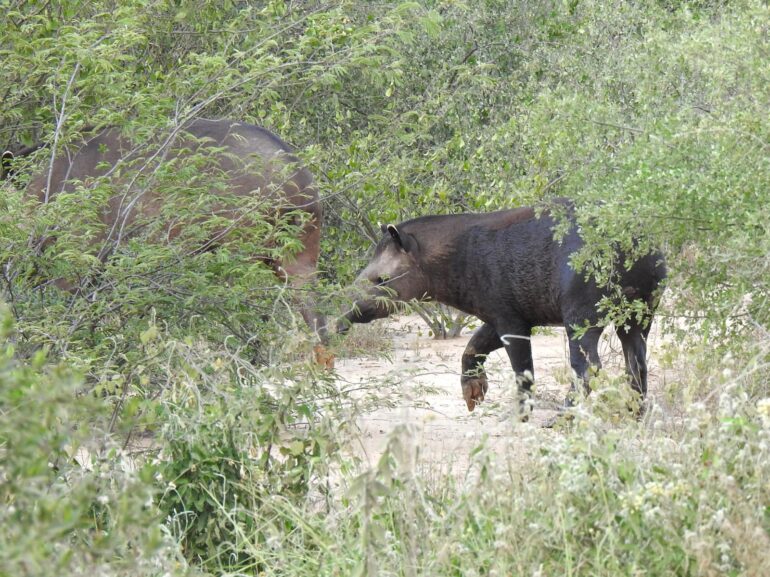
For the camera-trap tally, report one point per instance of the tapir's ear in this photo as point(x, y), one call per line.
point(5, 163)
point(383, 228)
point(400, 240)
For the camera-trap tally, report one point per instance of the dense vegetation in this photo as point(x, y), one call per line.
point(168, 423)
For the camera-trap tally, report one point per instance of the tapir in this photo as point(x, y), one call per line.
point(244, 160)
point(507, 269)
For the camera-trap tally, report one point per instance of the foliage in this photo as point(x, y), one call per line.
point(443, 321)
point(74, 502)
point(239, 443)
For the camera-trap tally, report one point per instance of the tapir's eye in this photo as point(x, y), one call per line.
point(379, 280)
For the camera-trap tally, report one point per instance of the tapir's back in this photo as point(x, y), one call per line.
point(508, 263)
point(239, 159)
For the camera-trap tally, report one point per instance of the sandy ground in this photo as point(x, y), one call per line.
point(426, 374)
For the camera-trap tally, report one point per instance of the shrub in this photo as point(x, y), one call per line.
point(74, 502)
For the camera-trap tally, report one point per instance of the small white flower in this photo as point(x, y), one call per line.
point(719, 518)
point(763, 409)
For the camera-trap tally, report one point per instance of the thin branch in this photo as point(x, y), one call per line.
point(618, 126)
point(59, 124)
point(453, 78)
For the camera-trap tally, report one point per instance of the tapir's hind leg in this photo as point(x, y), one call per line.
point(518, 345)
point(301, 273)
point(634, 341)
point(583, 355)
point(474, 379)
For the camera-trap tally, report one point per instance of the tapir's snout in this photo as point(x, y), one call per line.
point(364, 311)
point(343, 325)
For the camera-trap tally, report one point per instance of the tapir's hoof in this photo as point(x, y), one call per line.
point(323, 357)
point(562, 417)
point(474, 390)
point(552, 421)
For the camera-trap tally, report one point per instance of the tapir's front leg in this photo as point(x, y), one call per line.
point(474, 379)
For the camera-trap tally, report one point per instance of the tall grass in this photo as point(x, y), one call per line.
point(248, 471)
point(673, 494)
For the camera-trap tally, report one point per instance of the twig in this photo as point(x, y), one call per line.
point(618, 126)
point(57, 132)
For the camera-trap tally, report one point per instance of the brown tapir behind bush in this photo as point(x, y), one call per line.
point(245, 175)
point(506, 268)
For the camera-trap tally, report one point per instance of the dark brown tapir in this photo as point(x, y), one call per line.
point(249, 161)
point(506, 268)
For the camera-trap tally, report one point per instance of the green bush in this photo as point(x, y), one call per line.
point(238, 446)
point(74, 502)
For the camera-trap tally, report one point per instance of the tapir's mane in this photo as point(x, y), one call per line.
point(442, 230)
point(459, 222)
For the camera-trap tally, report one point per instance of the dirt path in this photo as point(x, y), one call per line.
point(427, 374)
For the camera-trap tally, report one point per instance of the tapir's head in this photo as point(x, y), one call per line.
point(394, 276)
